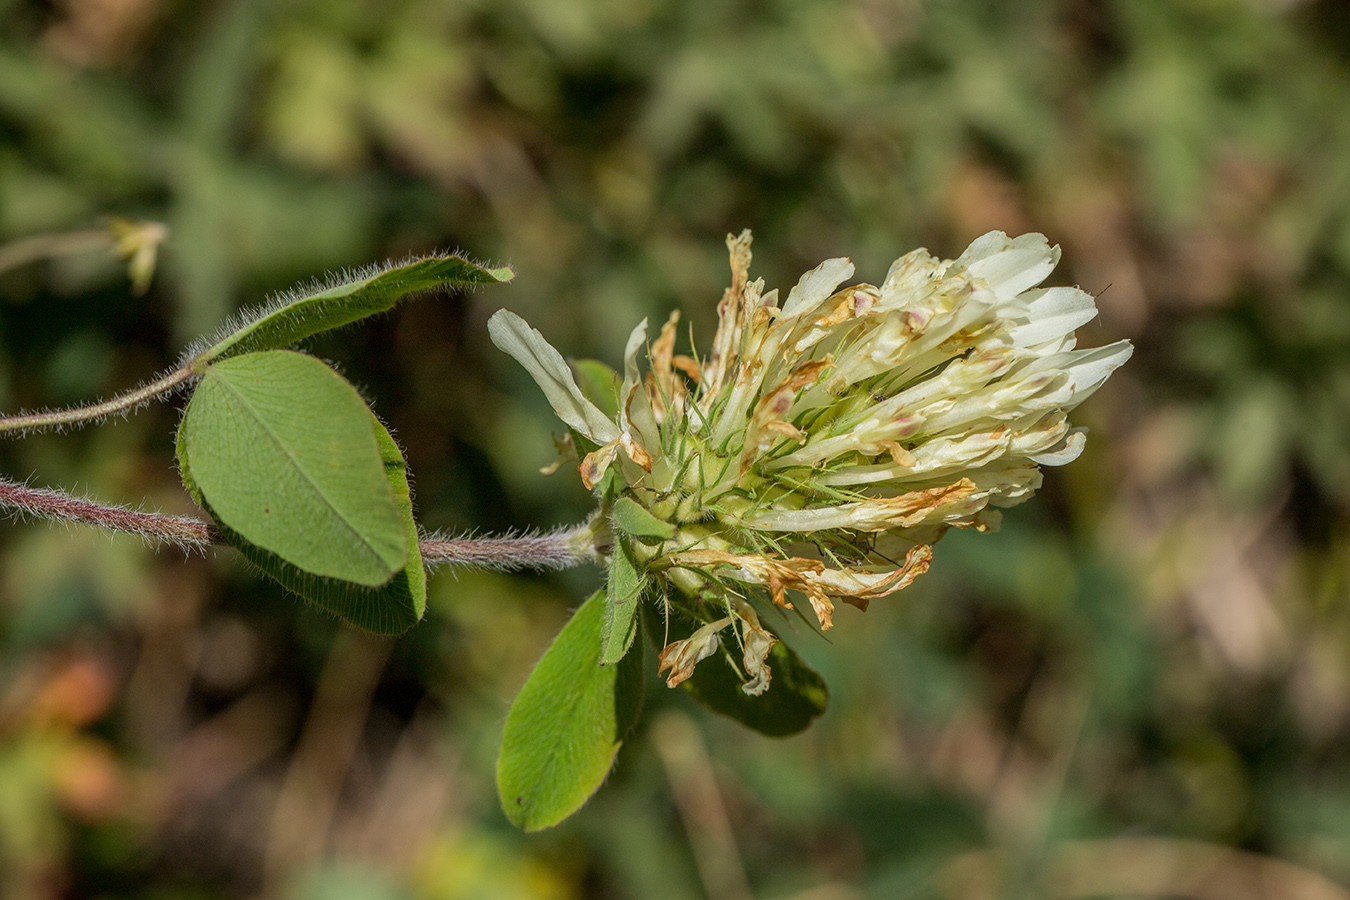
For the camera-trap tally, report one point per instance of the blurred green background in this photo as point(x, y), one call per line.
point(1140, 687)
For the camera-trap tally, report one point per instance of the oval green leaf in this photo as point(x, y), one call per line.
point(301, 313)
point(391, 608)
point(566, 724)
point(284, 453)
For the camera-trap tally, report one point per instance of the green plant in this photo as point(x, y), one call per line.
point(821, 447)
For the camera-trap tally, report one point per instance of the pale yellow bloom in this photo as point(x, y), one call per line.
point(828, 440)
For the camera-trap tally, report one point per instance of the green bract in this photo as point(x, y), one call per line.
point(623, 590)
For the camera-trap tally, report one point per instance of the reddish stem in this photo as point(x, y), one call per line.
point(552, 550)
point(180, 531)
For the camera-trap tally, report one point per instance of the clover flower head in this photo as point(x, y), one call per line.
point(829, 438)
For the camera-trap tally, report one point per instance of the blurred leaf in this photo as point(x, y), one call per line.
point(566, 724)
point(345, 881)
point(312, 110)
point(492, 866)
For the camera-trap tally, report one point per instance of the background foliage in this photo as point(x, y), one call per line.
point(1150, 661)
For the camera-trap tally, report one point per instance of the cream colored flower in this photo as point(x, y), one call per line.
point(828, 440)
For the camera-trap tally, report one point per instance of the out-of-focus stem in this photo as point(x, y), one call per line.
point(78, 415)
point(308, 801)
point(699, 801)
point(44, 246)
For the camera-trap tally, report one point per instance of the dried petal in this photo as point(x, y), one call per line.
point(681, 656)
point(756, 644)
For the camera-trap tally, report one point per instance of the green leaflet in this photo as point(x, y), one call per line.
point(796, 696)
point(566, 724)
point(392, 608)
point(623, 592)
point(300, 315)
point(284, 453)
point(633, 518)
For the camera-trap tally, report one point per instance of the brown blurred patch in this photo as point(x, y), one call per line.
point(101, 33)
point(980, 199)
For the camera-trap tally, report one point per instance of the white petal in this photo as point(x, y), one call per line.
point(985, 246)
point(816, 286)
point(1091, 367)
point(635, 407)
point(1014, 271)
point(909, 279)
point(1066, 451)
point(636, 339)
point(514, 336)
point(1054, 313)
point(1010, 266)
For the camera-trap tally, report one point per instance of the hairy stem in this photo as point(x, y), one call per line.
point(559, 549)
point(78, 415)
point(184, 532)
